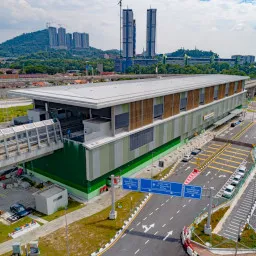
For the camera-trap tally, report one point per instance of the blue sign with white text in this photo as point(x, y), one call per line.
point(194, 192)
point(161, 187)
point(130, 184)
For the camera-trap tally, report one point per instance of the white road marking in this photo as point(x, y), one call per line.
point(147, 228)
point(156, 233)
point(131, 229)
point(162, 204)
point(204, 208)
point(184, 205)
point(168, 234)
point(138, 224)
point(189, 200)
point(157, 209)
point(171, 218)
point(123, 235)
point(146, 241)
point(151, 213)
point(178, 211)
point(137, 251)
point(163, 225)
point(145, 218)
point(167, 200)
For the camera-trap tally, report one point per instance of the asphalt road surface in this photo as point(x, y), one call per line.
point(157, 228)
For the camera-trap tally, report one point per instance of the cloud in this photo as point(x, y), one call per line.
point(213, 24)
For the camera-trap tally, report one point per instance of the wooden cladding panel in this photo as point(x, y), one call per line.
point(221, 92)
point(206, 95)
point(168, 106)
point(135, 115)
point(231, 89)
point(190, 104)
point(211, 94)
point(147, 111)
point(196, 98)
point(240, 86)
point(176, 103)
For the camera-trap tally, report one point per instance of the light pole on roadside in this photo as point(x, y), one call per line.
point(238, 236)
point(113, 213)
point(208, 227)
point(152, 164)
point(67, 241)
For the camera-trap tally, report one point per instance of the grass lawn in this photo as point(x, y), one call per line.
point(215, 239)
point(7, 114)
point(6, 229)
point(72, 206)
point(92, 233)
point(248, 237)
point(89, 234)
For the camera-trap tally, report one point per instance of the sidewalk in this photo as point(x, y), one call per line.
point(103, 201)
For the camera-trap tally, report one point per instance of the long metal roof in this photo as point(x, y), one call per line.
point(100, 95)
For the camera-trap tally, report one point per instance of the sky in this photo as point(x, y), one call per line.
point(224, 26)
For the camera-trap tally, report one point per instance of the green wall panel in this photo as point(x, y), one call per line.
point(68, 165)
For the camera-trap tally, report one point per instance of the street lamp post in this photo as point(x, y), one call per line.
point(113, 213)
point(152, 165)
point(238, 236)
point(67, 241)
point(208, 227)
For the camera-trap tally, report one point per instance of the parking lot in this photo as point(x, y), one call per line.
point(218, 162)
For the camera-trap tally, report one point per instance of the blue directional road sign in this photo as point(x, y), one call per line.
point(161, 187)
point(194, 192)
point(130, 184)
point(176, 189)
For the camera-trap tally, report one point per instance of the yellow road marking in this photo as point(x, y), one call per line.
point(202, 154)
point(242, 158)
point(236, 153)
point(231, 166)
point(213, 144)
point(228, 160)
point(210, 151)
point(242, 150)
point(193, 163)
point(213, 147)
point(219, 169)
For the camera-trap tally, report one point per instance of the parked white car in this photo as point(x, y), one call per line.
point(236, 180)
point(186, 158)
point(228, 192)
point(242, 170)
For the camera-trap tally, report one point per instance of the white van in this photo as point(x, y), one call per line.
point(228, 192)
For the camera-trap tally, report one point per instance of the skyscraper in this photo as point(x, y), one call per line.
point(151, 33)
point(69, 40)
point(62, 38)
point(128, 33)
point(134, 37)
point(53, 39)
point(77, 39)
point(85, 40)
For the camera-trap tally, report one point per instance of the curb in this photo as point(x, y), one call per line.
point(186, 242)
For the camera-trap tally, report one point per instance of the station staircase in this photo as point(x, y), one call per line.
point(23, 143)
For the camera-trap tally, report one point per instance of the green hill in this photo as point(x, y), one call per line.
point(32, 43)
point(192, 53)
point(25, 44)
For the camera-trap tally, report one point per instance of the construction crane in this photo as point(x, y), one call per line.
point(120, 4)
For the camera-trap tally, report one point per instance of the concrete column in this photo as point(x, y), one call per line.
point(47, 133)
point(47, 111)
point(29, 145)
point(17, 141)
point(55, 133)
point(38, 138)
point(113, 121)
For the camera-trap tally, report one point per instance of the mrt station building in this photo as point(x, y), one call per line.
point(116, 127)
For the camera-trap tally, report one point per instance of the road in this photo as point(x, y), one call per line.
point(156, 230)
